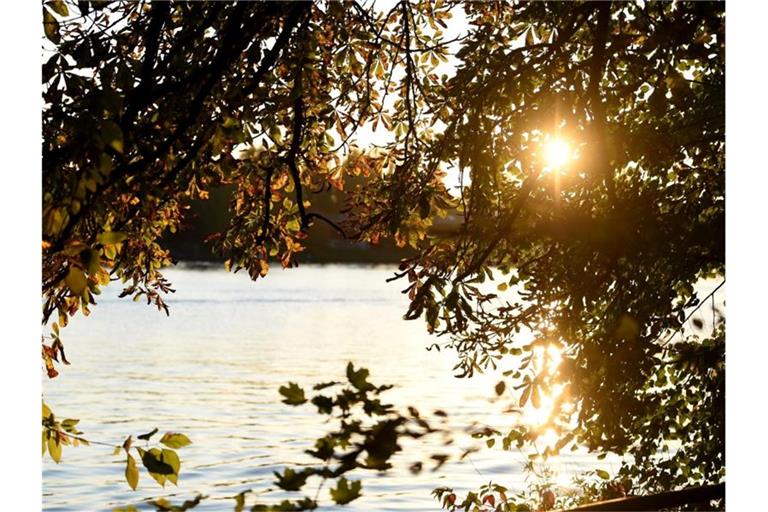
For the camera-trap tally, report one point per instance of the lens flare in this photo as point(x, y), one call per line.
point(557, 153)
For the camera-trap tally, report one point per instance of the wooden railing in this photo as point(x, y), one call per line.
point(660, 501)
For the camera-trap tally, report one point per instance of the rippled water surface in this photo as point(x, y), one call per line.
point(212, 370)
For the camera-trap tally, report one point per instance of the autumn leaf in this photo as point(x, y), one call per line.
point(175, 440)
point(131, 472)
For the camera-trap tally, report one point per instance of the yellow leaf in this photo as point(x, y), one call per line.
point(171, 458)
point(59, 7)
point(131, 472)
point(45, 440)
point(46, 411)
point(51, 27)
point(76, 281)
point(111, 237)
point(54, 449)
point(174, 440)
point(110, 251)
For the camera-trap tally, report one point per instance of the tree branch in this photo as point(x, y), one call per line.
point(158, 15)
point(597, 69)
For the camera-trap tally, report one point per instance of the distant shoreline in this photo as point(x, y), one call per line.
point(215, 264)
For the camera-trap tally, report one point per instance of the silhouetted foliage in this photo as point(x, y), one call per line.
point(367, 433)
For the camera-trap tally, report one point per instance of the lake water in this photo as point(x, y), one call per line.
point(212, 370)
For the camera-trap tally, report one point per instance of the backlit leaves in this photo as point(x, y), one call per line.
point(50, 26)
point(54, 446)
point(158, 468)
point(57, 433)
point(59, 7)
point(175, 440)
point(111, 237)
point(131, 472)
point(171, 458)
point(525, 395)
point(76, 281)
point(161, 463)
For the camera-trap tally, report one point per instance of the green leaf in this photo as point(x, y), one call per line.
point(51, 27)
point(344, 492)
point(131, 472)
point(294, 395)
point(602, 474)
point(112, 135)
point(175, 440)
point(69, 423)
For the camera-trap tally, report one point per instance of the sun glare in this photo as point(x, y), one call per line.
point(546, 359)
point(557, 153)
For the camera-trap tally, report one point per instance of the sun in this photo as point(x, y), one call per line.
point(557, 152)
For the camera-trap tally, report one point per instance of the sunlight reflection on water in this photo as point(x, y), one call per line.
point(212, 370)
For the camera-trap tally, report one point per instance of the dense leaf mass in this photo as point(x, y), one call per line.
point(150, 105)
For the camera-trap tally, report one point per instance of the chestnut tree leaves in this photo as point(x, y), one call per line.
point(367, 434)
point(162, 464)
point(56, 434)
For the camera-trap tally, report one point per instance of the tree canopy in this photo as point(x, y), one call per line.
point(149, 105)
